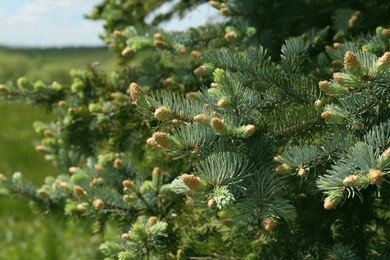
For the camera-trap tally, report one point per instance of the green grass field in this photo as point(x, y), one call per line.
point(23, 235)
point(50, 64)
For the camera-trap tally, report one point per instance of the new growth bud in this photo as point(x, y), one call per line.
point(78, 191)
point(200, 71)
point(73, 170)
point(324, 86)
point(62, 103)
point(330, 204)
point(231, 36)
point(195, 149)
point(182, 50)
point(158, 40)
point(302, 172)
point(350, 61)
point(356, 126)
point(191, 181)
point(277, 158)
point(351, 180)
point(269, 224)
point(386, 153)
point(162, 113)
point(151, 142)
point(317, 40)
point(3, 89)
point(126, 51)
point(224, 11)
point(81, 207)
point(336, 77)
point(384, 60)
point(42, 193)
point(118, 33)
point(375, 176)
point(98, 203)
point(202, 119)
point(135, 92)
point(282, 169)
point(354, 19)
point(156, 171)
point(157, 36)
point(336, 45)
point(97, 167)
point(249, 131)
point(40, 148)
point(327, 115)
point(386, 33)
point(63, 185)
point(222, 103)
point(191, 95)
point(117, 163)
point(125, 236)
point(318, 103)
point(211, 203)
point(196, 55)
point(152, 220)
point(127, 198)
point(214, 4)
point(162, 139)
point(217, 125)
point(127, 184)
point(157, 178)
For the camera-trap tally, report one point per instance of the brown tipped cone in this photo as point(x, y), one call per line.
point(196, 55)
point(217, 124)
point(127, 184)
point(151, 142)
point(162, 139)
point(269, 224)
point(78, 191)
point(386, 153)
point(324, 86)
point(302, 172)
point(222, 103)
point(249, 130)
point(351, 180)
point(375, 176)
point(330, 204)
point(135, 92)
point(350, 61)
point(202, 119)
point(200, 71)
point(152, 220)
point(73, 170)
point(384, 60)
point(282, 169)
point(191, 181)
point(98, 203)
point(327, 115)
point(211, 203)
point(162, 114)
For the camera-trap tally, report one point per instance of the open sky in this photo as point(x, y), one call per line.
point(56, 23)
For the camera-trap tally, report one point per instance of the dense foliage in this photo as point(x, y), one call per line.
point(263, 157)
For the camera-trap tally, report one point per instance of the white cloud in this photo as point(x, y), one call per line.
point(45, 23)
point(51, 23)
point(39, 11)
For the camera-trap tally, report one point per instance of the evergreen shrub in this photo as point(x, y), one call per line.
point(263, 136)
